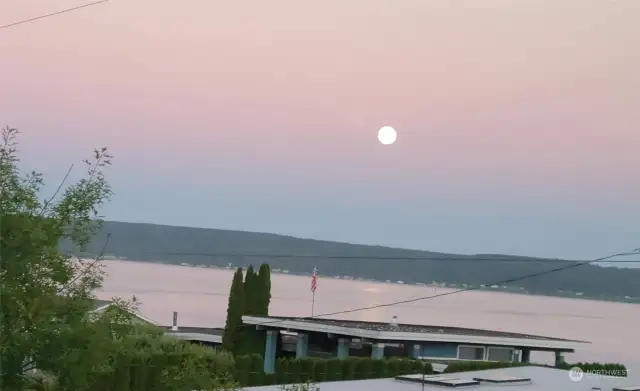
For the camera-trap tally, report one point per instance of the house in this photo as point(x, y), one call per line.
point(343, 338)
point(528, 378)
point(102, 305)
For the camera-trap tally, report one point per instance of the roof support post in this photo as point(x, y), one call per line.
point(377, 350)
point(302, 345)
point(416, 351)
point(343, 348)
point(559, 358)
point(270, 351)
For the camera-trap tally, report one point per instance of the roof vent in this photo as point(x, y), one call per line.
point(394, 322)
point(502, 379)
point(438, 380)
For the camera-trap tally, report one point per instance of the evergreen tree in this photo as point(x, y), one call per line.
point(251, 290)
point(237, 301)
point(264, 280)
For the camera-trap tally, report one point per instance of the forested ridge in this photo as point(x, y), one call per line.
point(160, 243)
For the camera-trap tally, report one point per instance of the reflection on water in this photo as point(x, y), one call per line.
point(200, 297)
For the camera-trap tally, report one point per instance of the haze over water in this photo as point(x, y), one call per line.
point(200, 296)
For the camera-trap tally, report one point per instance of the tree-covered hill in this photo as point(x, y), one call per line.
point(160, 243)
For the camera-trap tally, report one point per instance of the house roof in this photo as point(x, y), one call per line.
point(198, 330)
point(542, 379)
point(412, 332)
point(101, 305)
point(202, 334)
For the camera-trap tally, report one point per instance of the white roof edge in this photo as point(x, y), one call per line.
point(391, 335)
point(136, 314)
point(196, 336)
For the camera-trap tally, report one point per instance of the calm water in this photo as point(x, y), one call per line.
point(200, 297)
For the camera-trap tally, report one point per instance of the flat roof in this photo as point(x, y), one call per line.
point(542, 379)
point(202, 334)
point(198, 330)
point(413, 332)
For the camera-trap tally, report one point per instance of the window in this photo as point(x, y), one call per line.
point(470, 352)
point(500, 354)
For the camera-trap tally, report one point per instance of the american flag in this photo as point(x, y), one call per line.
point(314, 280)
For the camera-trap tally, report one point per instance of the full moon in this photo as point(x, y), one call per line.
point(387, 135)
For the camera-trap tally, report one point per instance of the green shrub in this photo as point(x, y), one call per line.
point(393, 367)
point(468, 366)
point(256, 370)
point(320, 370)
point(270, 379)
point(378, 368)
point(334, 369)
point(349, 366)
point(405, 366)
point(241, 375)
point(307, 369)
point(282, 371)
point(295, 369)
point(366, 368)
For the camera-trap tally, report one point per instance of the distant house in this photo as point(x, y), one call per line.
point(102, 305)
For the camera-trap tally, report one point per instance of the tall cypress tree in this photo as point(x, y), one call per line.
point(264, 279)
point(252, 295)
point(233, 326)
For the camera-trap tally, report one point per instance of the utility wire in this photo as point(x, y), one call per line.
point(53, 14)
point(532, 275)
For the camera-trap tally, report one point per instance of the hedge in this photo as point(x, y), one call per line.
point(468, 366)
point(296, 370)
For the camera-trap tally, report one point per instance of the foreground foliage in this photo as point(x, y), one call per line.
point(50, 335)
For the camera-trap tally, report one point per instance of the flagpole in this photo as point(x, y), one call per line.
point(314, 277)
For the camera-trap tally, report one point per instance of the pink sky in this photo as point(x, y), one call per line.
point(531, 102)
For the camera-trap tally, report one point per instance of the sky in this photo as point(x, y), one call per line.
point(518, 121)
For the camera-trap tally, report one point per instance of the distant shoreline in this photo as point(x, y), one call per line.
point(567, 295)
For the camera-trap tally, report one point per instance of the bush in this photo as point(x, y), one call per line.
point(393, 367)
point(320, 370)
point(349, 368)
point(405, 367)
point(334, 369)
point(241, 375)
point(365, 368)
point(256, 370)
point(378, 368)
point(270, 379)
point(282, 371)
point(307, 369)
point(468, 366)
point(295, 369)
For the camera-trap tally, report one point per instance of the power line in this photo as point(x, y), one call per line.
point(510, 280)
point(53, 14)
point(457, 258)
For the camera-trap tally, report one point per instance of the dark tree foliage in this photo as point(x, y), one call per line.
point(251, 291)
point(264, 284)
point(232, 330)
